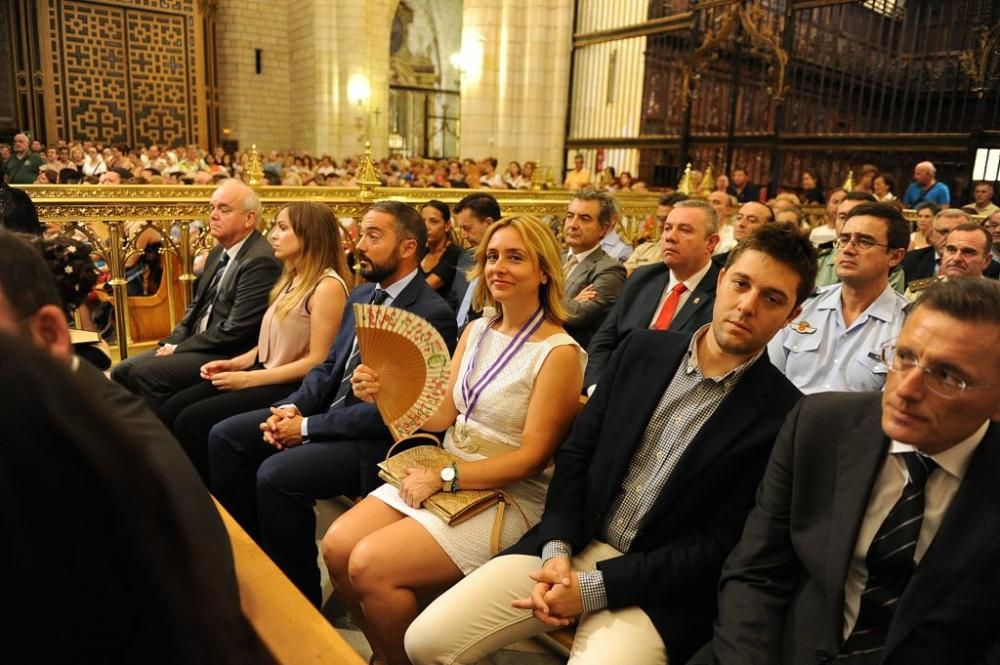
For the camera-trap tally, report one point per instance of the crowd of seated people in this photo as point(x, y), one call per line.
point(696, 459)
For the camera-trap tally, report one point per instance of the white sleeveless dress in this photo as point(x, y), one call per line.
point(499, 416)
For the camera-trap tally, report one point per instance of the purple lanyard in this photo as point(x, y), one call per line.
point(472, 393)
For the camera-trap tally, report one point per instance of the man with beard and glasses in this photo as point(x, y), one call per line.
point(268, 467)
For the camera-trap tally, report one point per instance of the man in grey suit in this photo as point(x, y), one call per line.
point(593, 278)
point(230, 300)
point(677, 294)
point(876, 534)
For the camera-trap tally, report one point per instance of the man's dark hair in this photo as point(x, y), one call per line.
point(672, 199)
point(26, 283)
point(897, 228)
point(69, 176)
point(409, 224)
point(740, 167)
point(482, 206)
point(783, 242)
point(974, 227)
point(968, 299)
point(124, 173)
point(865, 197)
point(604, 199)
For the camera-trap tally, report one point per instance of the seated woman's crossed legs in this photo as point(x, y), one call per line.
point(379, 560)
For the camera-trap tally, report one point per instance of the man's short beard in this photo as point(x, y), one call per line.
point(377, 273)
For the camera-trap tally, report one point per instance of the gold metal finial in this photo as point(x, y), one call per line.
point(254, 168)
point(849, 183)
point(684, 186)
point(707, 184)
point(367, 177)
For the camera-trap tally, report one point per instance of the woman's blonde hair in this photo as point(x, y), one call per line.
point(544, 251)
point(318, 232)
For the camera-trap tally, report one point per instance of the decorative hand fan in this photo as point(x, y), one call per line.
point(412, 361)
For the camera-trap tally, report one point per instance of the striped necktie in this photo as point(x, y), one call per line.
point(344, 389)
point(890, 562)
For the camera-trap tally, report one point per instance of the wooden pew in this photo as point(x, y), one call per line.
point(291, 628)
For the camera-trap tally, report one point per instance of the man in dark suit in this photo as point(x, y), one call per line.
point(876, 534)
point(690, 234)
point(473, 215)
point(650, 489)
point(229, 304)
point(268, 467)
point(593, 278)
point(926, 262)
point(30, 308)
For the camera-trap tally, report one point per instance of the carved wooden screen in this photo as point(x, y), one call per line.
point(126, 71)
point(783, 85)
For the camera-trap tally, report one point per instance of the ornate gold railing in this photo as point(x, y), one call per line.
point(111, 218)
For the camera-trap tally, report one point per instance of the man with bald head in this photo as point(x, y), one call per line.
point(749, 218)
point(965, 252)
point(230, 299)
point(926, 187)
point(23, 166)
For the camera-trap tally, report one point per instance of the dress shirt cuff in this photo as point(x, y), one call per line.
point(304, 429)
point(592, 590)
point(590, 390)
point(555, 548)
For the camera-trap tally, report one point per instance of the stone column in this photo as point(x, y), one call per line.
point(515, 79)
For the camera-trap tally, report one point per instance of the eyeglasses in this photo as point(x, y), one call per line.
point(863, 243)
point(940, 380)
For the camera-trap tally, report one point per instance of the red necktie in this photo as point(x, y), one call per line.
point(669, 307)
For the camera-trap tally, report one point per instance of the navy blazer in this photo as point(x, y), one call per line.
point(239, 307)
point(782, 590)
point(357, 419)
point(672, 569)
point(636, 306)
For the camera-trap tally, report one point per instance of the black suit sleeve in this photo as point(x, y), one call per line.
point(564, 505)
point(760, 576)
point(603, 343)
point(608, 281)
point(238, 331)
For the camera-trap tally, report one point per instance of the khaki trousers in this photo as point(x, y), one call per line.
point(474, 618)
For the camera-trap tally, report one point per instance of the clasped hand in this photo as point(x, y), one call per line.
point(365, 383)
point(556, 599)
point(283, 428)
point(418, 484)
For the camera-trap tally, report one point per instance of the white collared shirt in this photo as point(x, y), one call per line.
point(888, 487)
point(691, 283)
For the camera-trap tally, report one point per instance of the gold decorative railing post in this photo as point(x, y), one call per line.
point(849, 182)
point(254, 168)
point(707, 184)
point(684, 186)
point(119, 285)
point(187, 262)
point(367, 177)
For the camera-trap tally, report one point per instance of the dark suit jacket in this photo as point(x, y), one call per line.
point(208, 543)
point(357, 419)
point(918, 264)
point(782, 590)
point(673, 565)
point(635, 309)
point(238, 309)
point(992, 270)
point(607, 275)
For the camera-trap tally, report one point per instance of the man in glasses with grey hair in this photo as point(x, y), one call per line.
point(835, 343)
point(876, 534)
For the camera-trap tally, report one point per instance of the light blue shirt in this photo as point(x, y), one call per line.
point(820, 353)
point(613, 244)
